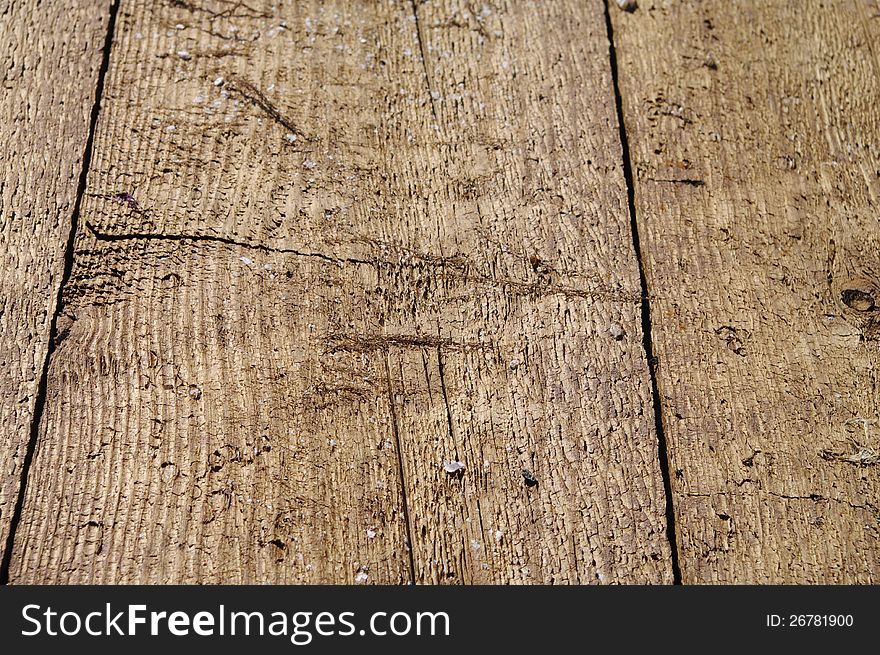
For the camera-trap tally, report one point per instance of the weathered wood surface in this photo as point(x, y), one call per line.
point(365, 239)
point(531, 264)
point(50, 56)
point(753, 129)
point(361, 239)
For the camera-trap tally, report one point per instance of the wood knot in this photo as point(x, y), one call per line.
point(859, 300)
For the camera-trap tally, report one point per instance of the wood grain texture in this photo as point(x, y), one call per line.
point(361, 239)
point(50, 55)
point(753, 129)
point(531, 267)
point(199, 426)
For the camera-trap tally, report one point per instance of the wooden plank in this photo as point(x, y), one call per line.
point(532, 263)
point(50, 56)
point(369, 261)
point(198, 427)
point(753, 129)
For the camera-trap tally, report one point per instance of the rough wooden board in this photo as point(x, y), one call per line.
point(408, 235)
point(50, 55)
point(753, 129)
point(199, 425)
point(532, 263)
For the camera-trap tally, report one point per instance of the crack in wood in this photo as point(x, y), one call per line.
point(687, 181)
point(663, 454)
point(538, 289)
point(210, 238)
point(371, 342)
point(426, 62)
point(395, 429)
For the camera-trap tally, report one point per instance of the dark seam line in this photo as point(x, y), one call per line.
point(423, 50)
point(689, 182)
point(40, 403)
point(515, 286)
point(396, 432)
point(647, 344)
point(154, 236)
point(442, 373)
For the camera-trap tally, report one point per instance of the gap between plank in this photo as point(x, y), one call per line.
point(647, 343)
point(40, 403)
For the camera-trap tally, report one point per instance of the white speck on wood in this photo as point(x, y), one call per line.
point(616, 331)
point(453, 466)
